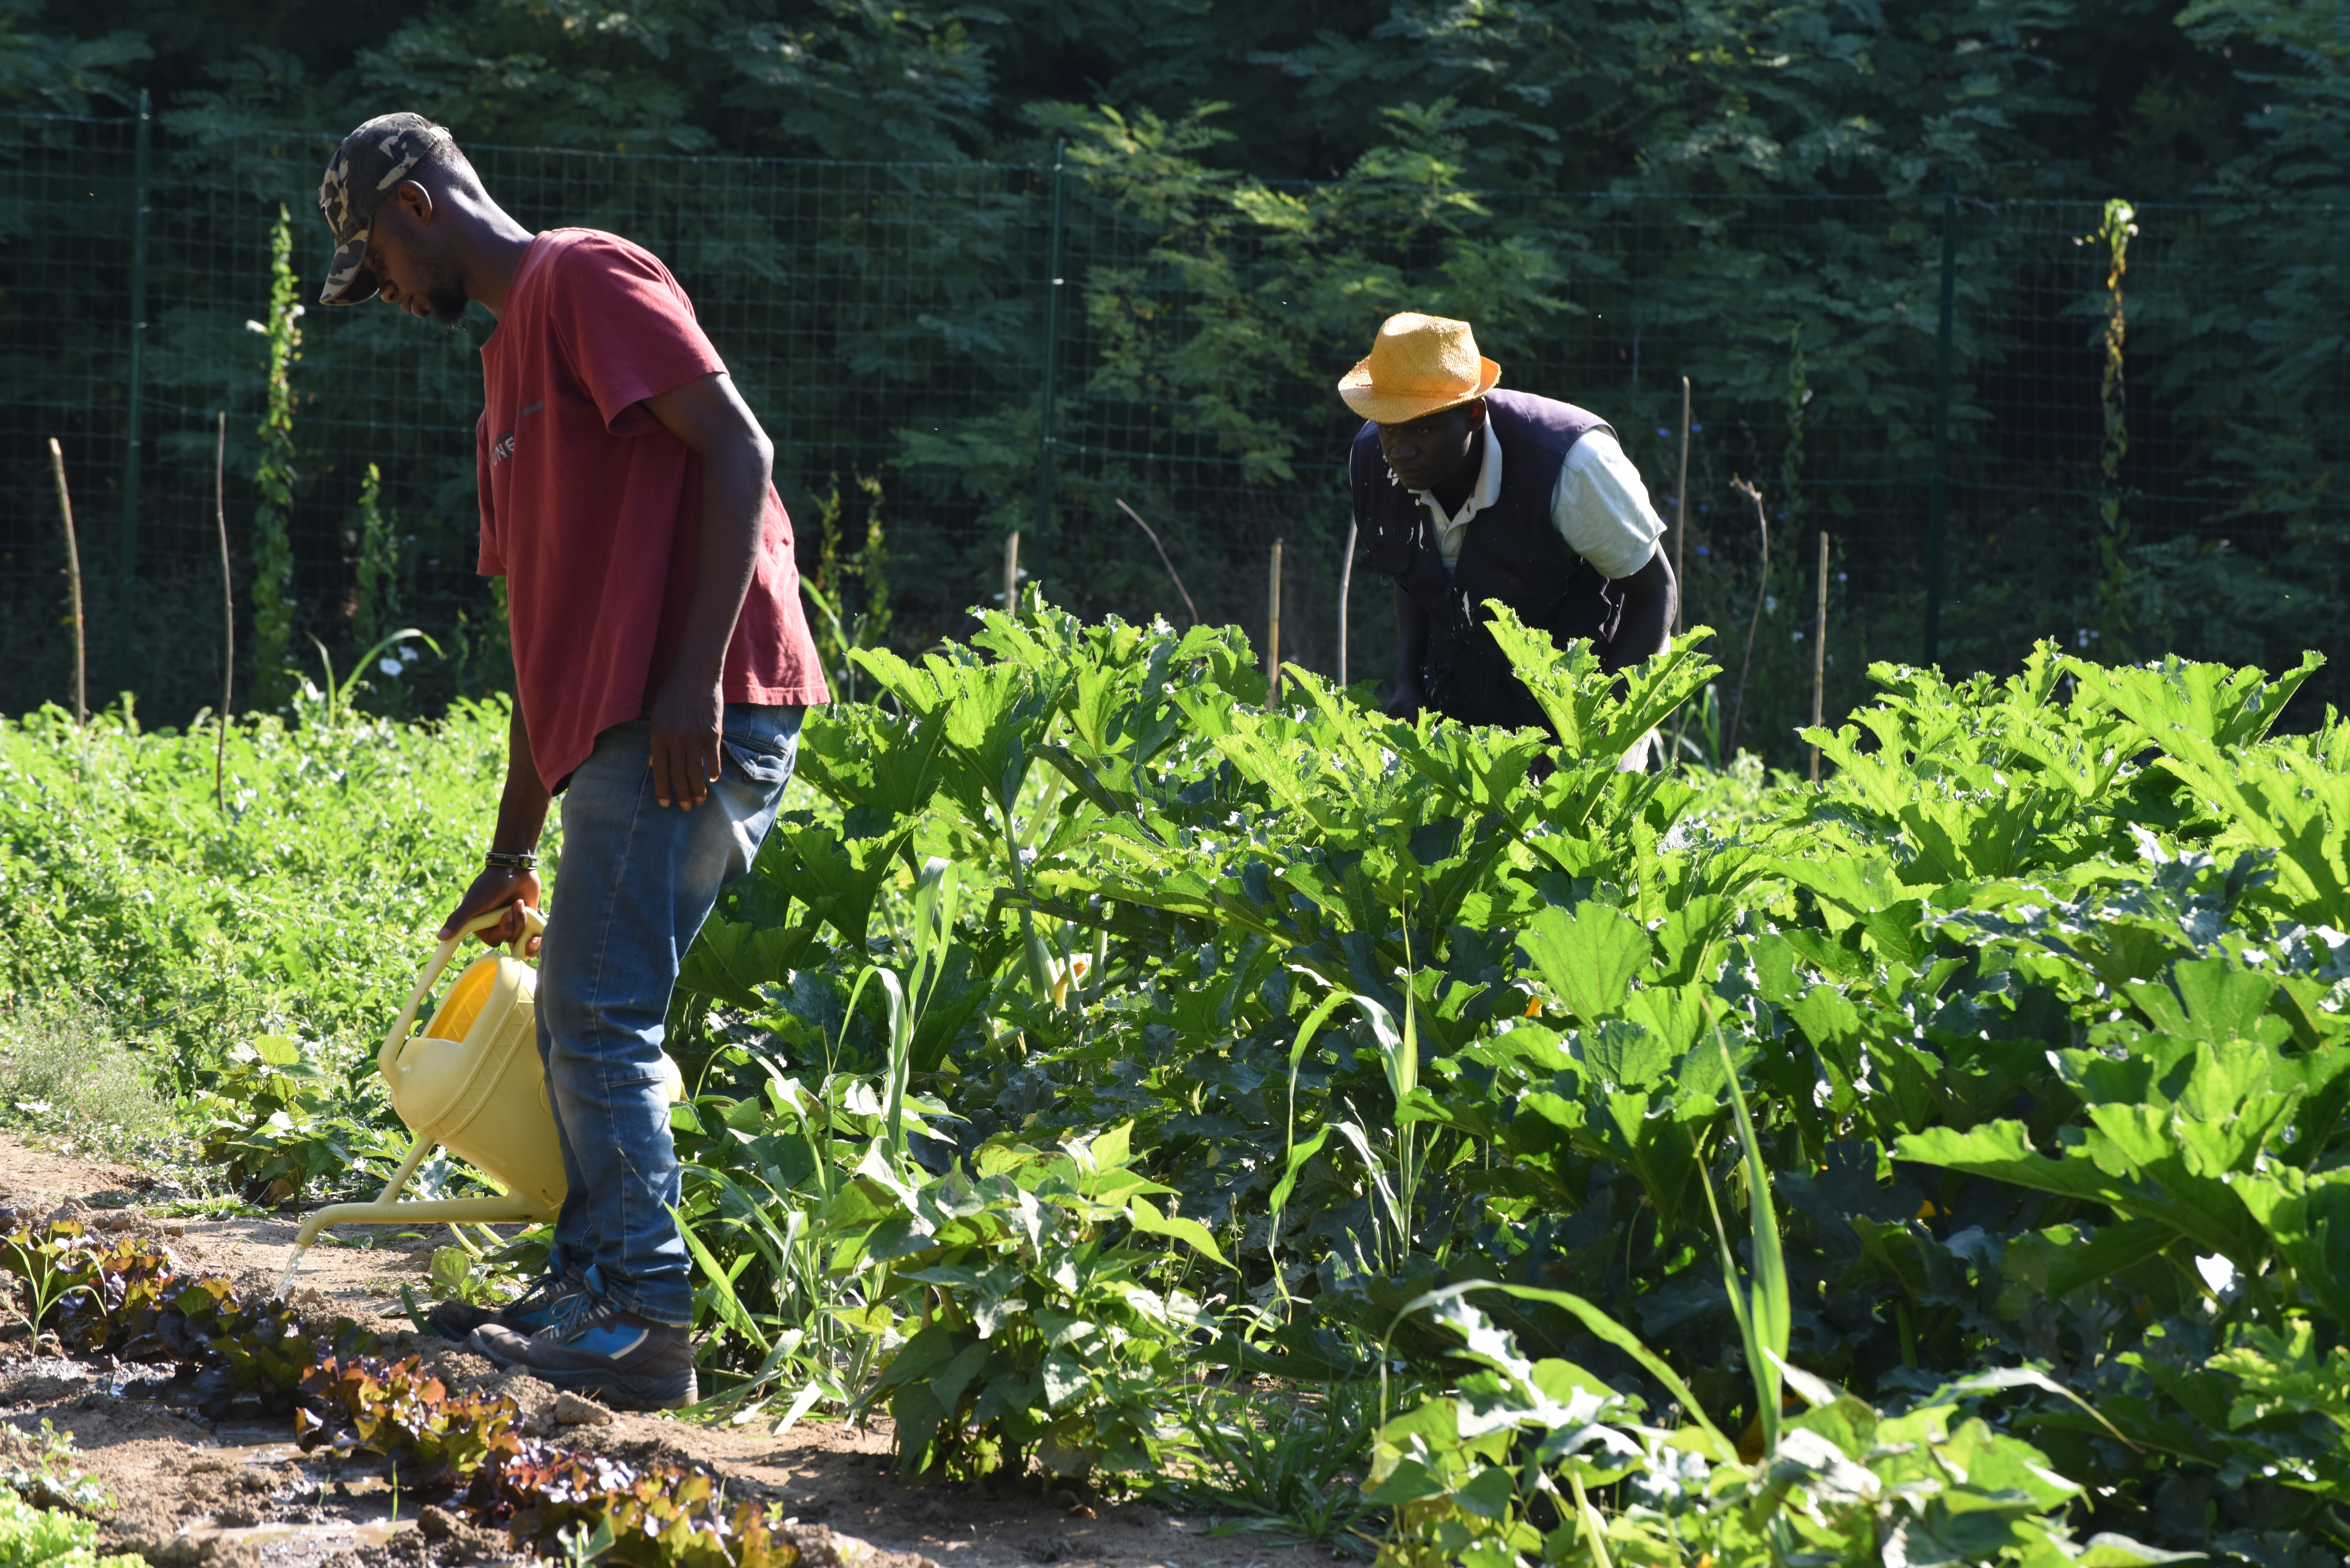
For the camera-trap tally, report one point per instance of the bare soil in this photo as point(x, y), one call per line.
point(190, 1492)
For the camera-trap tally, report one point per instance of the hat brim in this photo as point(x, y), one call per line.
point(1388, 406)
point(348, 281)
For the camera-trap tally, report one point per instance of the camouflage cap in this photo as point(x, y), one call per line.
point(367, 167)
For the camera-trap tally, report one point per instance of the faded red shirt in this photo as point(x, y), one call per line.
point(591, 510)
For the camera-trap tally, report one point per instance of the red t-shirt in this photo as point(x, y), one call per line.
point(591, 510)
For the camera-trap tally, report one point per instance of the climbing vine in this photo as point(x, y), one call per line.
point(273, 548)
point(2113, 533)
point(1791, 464)
point(838, 627)
point(375, 598)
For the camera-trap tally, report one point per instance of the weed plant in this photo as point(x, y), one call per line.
point(64, 1073)
point(1271, 1462)
point(246, 956)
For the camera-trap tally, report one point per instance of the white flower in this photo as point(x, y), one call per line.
point(407, 654)
point(2218, 1272)
point(253, 326)
point(388, 666)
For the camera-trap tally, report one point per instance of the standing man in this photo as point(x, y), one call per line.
point(661, 665)
point(1464, 493)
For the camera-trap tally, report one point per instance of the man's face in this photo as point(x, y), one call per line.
point(408, 252)
point(1430, 450)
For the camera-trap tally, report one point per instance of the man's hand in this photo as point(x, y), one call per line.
point(522, 815)
point(1646, 625)
point(687, 727)
point(497, 886)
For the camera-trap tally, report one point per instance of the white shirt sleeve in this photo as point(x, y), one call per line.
point(1601, 508)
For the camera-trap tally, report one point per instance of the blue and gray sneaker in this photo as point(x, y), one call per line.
point(535, 1309)
point(631, 1363)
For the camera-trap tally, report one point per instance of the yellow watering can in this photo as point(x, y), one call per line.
point(473, 1083)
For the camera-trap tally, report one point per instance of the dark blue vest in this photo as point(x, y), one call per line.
point(1511, 552)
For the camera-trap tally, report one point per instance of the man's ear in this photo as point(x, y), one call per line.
point(1476, 411)
point(415, 201)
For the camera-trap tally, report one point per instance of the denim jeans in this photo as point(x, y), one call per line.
point(635, 881)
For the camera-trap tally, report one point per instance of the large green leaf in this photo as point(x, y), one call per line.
point(1592, 713)
point(1589, 958)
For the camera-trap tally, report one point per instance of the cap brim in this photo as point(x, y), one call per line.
point(1390, 406)
point(348, 281)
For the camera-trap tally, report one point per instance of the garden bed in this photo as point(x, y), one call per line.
point(191, 1490)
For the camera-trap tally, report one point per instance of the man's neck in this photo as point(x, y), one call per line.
point(490, 255)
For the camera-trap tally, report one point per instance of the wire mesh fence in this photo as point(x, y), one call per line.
point(945, 353)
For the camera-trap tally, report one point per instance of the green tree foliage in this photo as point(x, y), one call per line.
point(1589, 184)
point(63, 74)
point(2020, 96)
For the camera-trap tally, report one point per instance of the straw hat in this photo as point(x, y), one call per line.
point(1419, 364)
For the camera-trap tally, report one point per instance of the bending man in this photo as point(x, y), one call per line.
point(1465, 494)
point(661, 665)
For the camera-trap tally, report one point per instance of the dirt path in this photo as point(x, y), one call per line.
point(192, 1492)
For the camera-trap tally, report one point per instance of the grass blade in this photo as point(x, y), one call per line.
point(1774, 1310)
point(722, 1288)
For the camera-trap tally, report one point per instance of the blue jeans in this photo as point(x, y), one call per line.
point(635, 883)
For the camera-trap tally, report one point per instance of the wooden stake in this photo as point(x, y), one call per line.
point(1681, 562)
point(1273, 629)
point(1820, 654)
point(1345, 583)
point(1680, 524)
point(228, 614)
point(1012, 573)
point(72, 569)
point(1761, 586)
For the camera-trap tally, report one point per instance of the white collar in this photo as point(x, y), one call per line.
point(1488, 490)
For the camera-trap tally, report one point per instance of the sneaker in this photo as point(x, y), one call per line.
point(631, 1363)
point(535, 1309)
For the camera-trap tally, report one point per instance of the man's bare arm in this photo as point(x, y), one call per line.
point(688, 713)
point(521, 818)
point(1650, 598)
point(1411, 657)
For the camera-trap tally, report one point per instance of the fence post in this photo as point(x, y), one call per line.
point(126, 566)
point(1051, 351)
point(1939, 501)
point(1820, 654)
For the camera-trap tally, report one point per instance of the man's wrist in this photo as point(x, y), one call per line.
point(511, 860)
point(696, 669)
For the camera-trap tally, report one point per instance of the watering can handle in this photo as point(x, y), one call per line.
point(534, 924)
